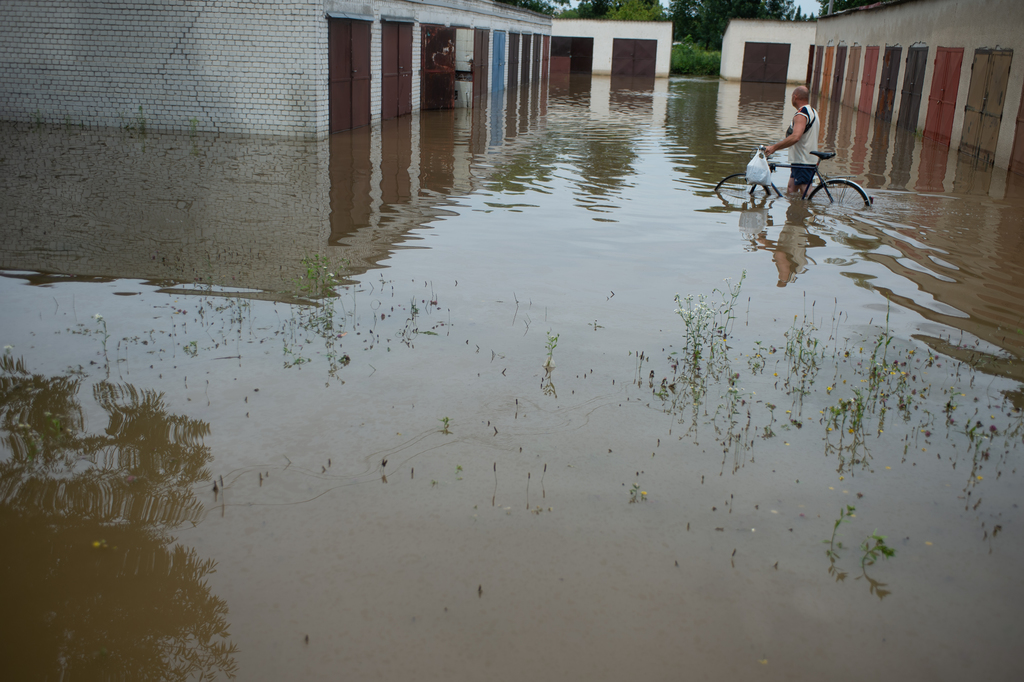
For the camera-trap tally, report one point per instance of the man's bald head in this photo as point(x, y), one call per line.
point(801, 94)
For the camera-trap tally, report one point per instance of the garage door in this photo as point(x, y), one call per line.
point(765, 62)
point(913, 87)
point(348, 73)
point(985, 99)
point(634, 57)
point(938, 125)
point(437, 83)
point(887, 82)
point(839, 74)
point(867, 81)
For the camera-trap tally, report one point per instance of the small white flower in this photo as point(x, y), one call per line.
point(97, 316)
point(8, 348)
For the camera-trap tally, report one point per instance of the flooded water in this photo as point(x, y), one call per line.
point(509, 393)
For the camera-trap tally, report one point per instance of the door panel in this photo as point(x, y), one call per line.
point(526, 58)
point(985, 101)
point(498, 62)
point(938, 125)
point(348, 73)
point(481, 47)
point(437, 83)
point(852, 72)
point(818, 61)
point(839, 74)
point(513, 59)
point(887, 82)
point(867, 81)
point(826, 72)
point(913, 87)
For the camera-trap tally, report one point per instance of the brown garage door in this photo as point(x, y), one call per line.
point(819, 58)
point(1017, 153)
point(765, 62)
point(826, 72)
point(985, 100)
point(887, 82)
point(437, 82)
point(867, 81)
point(913, 87)
point(348, 73)
point(395, 70)
point(852, 71)
point(634, 57)
point(839, 74)
point(561, 54)
point(481, 48)
point(513, 59)
point(526, 60)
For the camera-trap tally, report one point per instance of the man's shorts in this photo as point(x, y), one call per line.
point(802, 174)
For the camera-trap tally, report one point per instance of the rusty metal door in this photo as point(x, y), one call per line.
point(887, 82)
point(545, 57)
point(396, 69)
point(852, 72)
point(839, 74)
point(513, 59)
point(634, 57)
point(913, 87)
point(985, 100)
point(867, 81)
point(1017, 153)
point(818, 61)
point(582, 55)
point(526, 60)
point(938, 125)
point(348, 73)
point(765, 62)
point(437, 82)
point(810, 66)
point(561, 54)
point(826, 72)
point(481, 48)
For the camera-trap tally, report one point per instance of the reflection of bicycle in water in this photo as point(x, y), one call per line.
point(831, 190)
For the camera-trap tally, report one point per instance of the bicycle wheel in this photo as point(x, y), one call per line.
point(843, 192)
point(735, 187)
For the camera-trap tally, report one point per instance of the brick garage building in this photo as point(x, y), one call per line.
point(248, 66)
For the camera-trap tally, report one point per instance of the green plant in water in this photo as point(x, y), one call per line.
point(552, 343)
point(319, 280)
point(37, 119)
point(872, 552)
point(444, 427)
point(637, 495)
point(844, 516)
point(140, 121)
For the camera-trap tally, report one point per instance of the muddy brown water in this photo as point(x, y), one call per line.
point(246, 467)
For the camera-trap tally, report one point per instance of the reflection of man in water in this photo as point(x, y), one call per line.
point(789, 251)
point(801, 140)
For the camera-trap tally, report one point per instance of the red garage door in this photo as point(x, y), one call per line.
point(938, 125)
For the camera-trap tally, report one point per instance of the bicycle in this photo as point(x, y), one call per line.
point(836, 190)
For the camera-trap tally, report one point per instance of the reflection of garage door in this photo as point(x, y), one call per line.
point(765, 62)
point(633, 57)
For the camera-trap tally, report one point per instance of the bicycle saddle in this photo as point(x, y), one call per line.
point(824, 155)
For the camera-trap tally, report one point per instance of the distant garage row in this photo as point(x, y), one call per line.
point(391, 58)
point(611, 48)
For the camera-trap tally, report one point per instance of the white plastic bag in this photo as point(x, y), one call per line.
point(758, 172)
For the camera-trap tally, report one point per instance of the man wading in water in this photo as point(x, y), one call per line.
point(801, 140)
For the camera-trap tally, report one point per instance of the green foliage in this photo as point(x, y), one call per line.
point(539, 6)
point(691, 60)
point(638, 10)
point(840, 5)
point(705, 20)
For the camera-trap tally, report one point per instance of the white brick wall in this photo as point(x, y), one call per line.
point(243, 66)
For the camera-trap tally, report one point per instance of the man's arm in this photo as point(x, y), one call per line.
point(799, 126)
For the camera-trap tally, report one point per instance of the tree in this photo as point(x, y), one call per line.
point(638, 10)
point(540, 6)
point(840, 5)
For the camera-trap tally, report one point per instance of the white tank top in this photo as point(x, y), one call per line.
point(808, 142)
